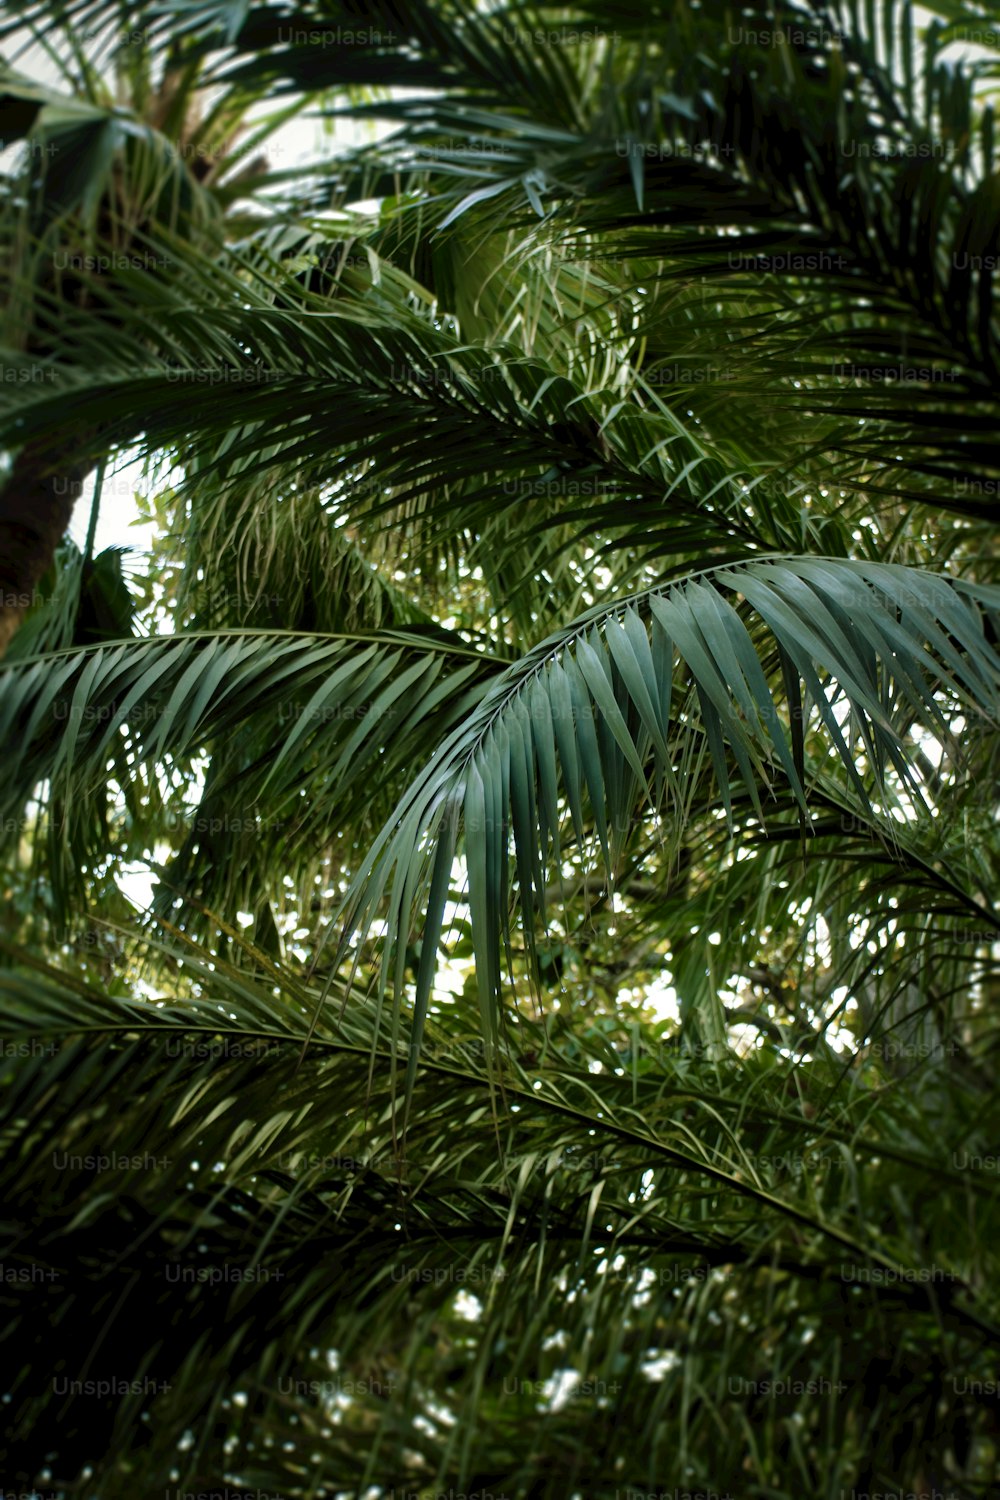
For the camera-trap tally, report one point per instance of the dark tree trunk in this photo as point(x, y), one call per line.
point(36, 505)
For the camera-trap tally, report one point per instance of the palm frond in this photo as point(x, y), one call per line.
point(255, 1190)
point(279, 714)
point(589, 722)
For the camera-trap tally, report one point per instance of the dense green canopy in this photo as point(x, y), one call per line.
point(556, 721)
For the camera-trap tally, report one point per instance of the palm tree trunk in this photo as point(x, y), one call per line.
point(36, 505)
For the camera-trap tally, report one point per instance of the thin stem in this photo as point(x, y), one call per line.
point(95, 507)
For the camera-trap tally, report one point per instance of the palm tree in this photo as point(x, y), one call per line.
point(559, 1056)
point(131, 145)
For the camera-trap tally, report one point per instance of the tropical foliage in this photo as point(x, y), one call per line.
point(556, 720)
